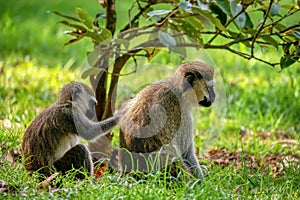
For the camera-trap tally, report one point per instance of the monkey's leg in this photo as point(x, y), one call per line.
point(77, 157)
point(190, 159)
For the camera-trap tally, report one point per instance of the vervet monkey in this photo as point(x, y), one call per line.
point(161, 115)
point(52, 140)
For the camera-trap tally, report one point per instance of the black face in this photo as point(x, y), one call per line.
point(91, 112)
point(205, 102)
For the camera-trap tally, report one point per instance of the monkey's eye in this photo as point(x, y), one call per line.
point(190, 77)
point(93, 103)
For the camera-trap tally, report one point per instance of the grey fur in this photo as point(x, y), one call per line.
point(159, 117)
point(52, 140)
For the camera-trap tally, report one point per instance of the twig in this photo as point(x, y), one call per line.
point(289, 28)
point(227, 24)
point(241, 54)
point(163, 20)
point(260, 28)
point(282, 18)
point(137, 16)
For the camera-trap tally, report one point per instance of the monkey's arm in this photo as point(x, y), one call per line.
point(89, 129)
point(191, 160)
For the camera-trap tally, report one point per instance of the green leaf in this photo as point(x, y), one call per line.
point(94, 56)
point(280, 27)
point(292, 48)
point(100, 15)
point(152, 52)
point(286, 61)
point(187, 6)
point(121, 41)
point(225, 6)
point(210, 17)
point(195, 22)
point(234, 34)
point(167, 40)
point(104, 35)
point(157, 13)
point(248, 23)
point(85, 18)
point(202, 6)
point(75, 33)
point(270, 40)
point(192, 28)
point(220, 14)
point(235, 9)
point(296, 34)
point(291, 6)
point(76, 26)
point(90, 72)
point(66, 16)
point(247, 44)
point(181, 50)
point(72, 41)
point(99, 36)
point(275, 8)
point(249, 31)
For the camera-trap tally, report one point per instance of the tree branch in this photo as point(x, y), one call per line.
point(111, 16)
point(227, 24)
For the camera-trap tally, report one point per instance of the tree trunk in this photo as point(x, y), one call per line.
point(102, 147)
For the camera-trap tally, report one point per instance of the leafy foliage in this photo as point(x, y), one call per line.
point(206, 21)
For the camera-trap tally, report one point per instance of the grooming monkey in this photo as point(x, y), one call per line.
point(161, 115)
point(52, 140)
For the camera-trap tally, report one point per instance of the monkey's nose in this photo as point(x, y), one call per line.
point(205, 102)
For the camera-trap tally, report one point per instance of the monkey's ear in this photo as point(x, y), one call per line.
point(190, 78)
point(76, 90)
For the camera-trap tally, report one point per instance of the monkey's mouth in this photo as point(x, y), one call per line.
point(90, 114)
point(205, 102)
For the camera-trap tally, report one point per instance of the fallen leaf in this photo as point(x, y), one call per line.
point(263, 135)
point(276, 163)
point(10, 159)
point(288, 141)
point(3, 187)
point(45, 183)
point(99, 170)
point(238, 188)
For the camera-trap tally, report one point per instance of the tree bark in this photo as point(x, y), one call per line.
point(102, 147)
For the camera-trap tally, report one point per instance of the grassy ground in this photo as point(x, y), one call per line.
point(255, 156)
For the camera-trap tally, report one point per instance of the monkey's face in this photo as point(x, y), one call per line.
point(201, 89)
point(85, 100)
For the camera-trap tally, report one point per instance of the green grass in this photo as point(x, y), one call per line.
point(33, 68)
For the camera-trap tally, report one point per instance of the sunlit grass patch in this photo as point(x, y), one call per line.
point(26, 89)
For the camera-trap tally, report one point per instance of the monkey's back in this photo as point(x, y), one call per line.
point(41, 138)
point(151, 119)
